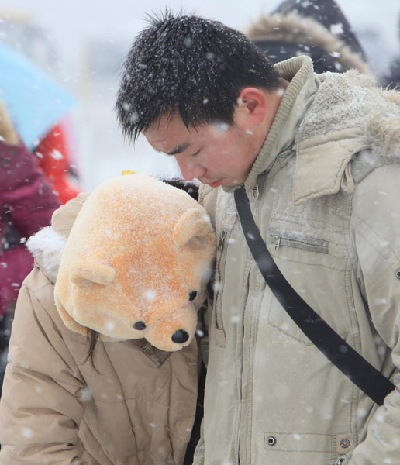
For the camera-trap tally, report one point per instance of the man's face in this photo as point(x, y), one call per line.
point(215, 154)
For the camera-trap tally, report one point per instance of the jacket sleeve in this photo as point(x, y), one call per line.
point(376, 229)
point(40, 409)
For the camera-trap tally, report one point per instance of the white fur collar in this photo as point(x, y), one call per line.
point(47, 247)
point(353, 100)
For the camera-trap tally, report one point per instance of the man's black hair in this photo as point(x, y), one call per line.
point(188, 66)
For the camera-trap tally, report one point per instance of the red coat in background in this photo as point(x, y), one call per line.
point(54, 157)
point(27, 203)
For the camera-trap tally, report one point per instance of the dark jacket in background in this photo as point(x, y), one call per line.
point(393, 79)
point(317, 28)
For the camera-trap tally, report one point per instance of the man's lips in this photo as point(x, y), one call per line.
point(216, 183)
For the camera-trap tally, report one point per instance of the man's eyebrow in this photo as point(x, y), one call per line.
point(179, 149)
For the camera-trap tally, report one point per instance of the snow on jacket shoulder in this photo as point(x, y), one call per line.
point(135, 405)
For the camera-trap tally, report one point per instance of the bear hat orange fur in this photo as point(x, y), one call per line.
point(137, 254)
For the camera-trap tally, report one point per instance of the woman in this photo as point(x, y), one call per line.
point(78, 395)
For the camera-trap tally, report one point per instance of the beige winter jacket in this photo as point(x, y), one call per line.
point(136, 406)
point(325, 193)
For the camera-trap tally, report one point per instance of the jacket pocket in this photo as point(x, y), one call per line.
point(325, 246)
point(317, 267)
point(297, 241)
point(298, 448)
point(298, 442)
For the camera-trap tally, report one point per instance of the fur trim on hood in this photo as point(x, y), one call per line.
point(374, 110)
point(384, 127)
point(349, 115)
point(47, 247)
point(296, 29)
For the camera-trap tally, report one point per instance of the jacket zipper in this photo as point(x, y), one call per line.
point(218, 282)
point(308, 243)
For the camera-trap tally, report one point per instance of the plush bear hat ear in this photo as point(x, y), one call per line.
point(85, 274)
point(82, 274)
point(193, 228)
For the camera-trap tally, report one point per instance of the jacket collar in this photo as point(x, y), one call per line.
point(302, 85)
point(157, 356)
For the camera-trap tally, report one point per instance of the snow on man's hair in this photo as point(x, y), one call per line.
point(188, 66)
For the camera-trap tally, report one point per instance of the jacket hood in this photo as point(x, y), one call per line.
point(284, 35)
point(358, 100)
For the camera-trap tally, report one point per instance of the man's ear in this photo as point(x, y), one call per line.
point(252, 103)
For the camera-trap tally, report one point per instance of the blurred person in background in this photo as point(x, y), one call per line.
point(27, 202)
point(316, 28)
point(39, 107)
point(54, 155)
point(35, 157)
point(393, 79)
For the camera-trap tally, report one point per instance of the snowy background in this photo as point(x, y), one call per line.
point(83, 42)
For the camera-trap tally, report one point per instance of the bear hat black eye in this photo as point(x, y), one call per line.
point(192, 295)
point(139, 325)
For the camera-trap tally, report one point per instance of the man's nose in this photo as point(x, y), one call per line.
point(190, 169)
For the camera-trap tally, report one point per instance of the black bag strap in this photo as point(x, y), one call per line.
point(335, 348)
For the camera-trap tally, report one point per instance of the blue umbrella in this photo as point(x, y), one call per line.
point(34, 100)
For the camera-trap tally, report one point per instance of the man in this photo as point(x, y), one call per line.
point(319, 158)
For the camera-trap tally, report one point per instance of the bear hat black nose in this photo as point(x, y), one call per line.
point(180, 336)
point(140, 325)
